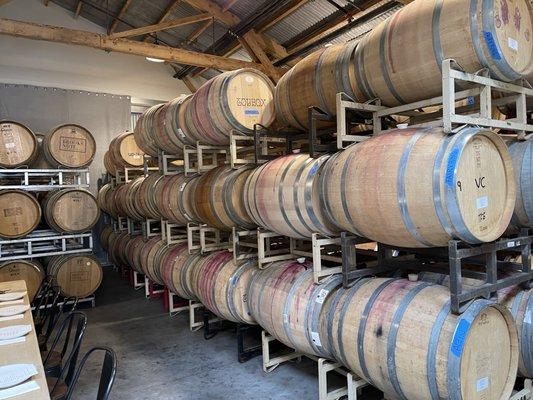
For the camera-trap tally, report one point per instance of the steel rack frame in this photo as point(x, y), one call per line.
point(243, 249)
point(120, 224)
point(45, 243)
point(173, 233)
point(526, 393)
point(202, 158)
point(213, 239)
point(152, 290)
point(166, 166)
point(454, 254)
point(169, 300)
point(31, 179)
point(194, 323)
point(477, 113)
point(193, 237)
point(137, 280)
point(267, 143)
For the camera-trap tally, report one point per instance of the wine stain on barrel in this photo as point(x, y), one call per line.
point(379, 331)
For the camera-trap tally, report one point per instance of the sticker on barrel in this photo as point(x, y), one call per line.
point(459, 337)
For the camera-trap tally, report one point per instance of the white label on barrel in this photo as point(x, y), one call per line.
point(249, 80)
point(182, 186)
point(482, 384)
point(316, 339)
point(510, 244)
point(285, 318)
point(180, 132)
point(322, 296)
point(482, 202)
point(9, 145)
point(512, 43)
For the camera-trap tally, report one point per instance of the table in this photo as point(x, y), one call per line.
point(26, 352)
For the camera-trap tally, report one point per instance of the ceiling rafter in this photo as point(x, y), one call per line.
point(166, 13)
point(120, 14)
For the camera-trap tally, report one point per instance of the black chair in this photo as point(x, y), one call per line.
point(57, 362)
point(107, 376)
point(56, 310)
point(46, 315)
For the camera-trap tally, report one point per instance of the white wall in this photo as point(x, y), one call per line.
point(74, 67)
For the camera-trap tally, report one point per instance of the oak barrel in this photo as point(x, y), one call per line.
point(283, 196)
point(219, 198)
point(18, 145)
point(233, 100)
point(223, 286)
point(70, 146)
point(20, 213)
point(144, 199)
point(124, 151)
point(77, 275)
point(109, 165)
point(177, 268)
point(104, 237)
point(144, 131)
point(30, 271)
point(522, 155)
point(420, 188)
point(173, 201)
point(315, 82)
point(134, 252)
point(71, 210)
point(171, 133)
point(149, 258)
point(401, 337)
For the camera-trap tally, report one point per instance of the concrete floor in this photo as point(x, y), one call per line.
point(159, 358)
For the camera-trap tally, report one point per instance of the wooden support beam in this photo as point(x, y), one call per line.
point(190, 85)
point(252, 40)
point(296, 4)
point(215, 10)
point(120, 14)
point(197, 32)
point(229, 4)
point(78, 9)
point(165, 14)
point(161, 26)
point(57, 34)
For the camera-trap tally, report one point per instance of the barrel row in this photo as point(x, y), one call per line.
point(66, 146)
point(123, 152)
point(76, 275)
point(382, 66)
point(231, 101)
point(65, 210)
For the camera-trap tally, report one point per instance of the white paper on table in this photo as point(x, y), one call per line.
point(12, 341)
point(18, 316)
point(18, 390)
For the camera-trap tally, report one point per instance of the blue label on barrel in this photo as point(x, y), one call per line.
point(251, 111)
point(450, 170)
point(491, 44)
point(459, 337)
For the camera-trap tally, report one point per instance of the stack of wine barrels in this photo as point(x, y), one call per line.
point(30, 271)
point(18, 145)
point(522, 155)
point(177, 269)
point(381, 66)
point(70, 146)
point(20, 213)
point(71, 210)
point(77, 275)
point(231, 101)
point(174, 198)
point(123, 153)
point(106, 199)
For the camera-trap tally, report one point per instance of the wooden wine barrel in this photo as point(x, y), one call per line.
point(77, 275)
point(18, 145)
point(20, 213)
point(145, 202)
point(177, 267)
point(149, 258)
point(40, 161)
point(315, 82)
point(481, 34)
point(104, 237)
point(69, 146)
point(373, 324)
point(233, 100)
point(168, 195)
point(115, 244)
point(124, 151)
point(126, 200)
point(29, 271)
point(106, 199)
point(285, 298)
point(144, 131)
point(223, 286)
point(109, 165)
point(71, 210)
point(282, 196)
point(171, 133)
point(522, 155)
point(420, 188)
point(219, 198)
point(133, 252)
point(517, 300)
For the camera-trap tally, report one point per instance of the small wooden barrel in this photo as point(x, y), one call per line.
point(283, 196)
point(170, 134)
point(420, 188)
point(233, 100)
point(144, 131)
point(144, 199)
point(177, 267)
point(71, 210)
point(78, 275)
point(149, 258)
point(518, 301)
point(481, 34)
point(69, 146)
point(124, 152)
point(219, 198)
point(315, 82)
point(104, 237)
point(29, 271)
point(371, 327)
point(18, 145)
point(522, 155)
point(109, 165)
point(223, 285)
point(20, 213)
point(133, 252)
